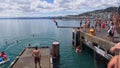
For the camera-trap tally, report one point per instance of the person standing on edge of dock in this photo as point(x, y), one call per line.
point(115, 61)
point(103, 25)
point(98, 25)
point(81, 23)
point(85, 26)
point(95, 23)
point(37, 56)
point(111, 32)
point(116, 20)
point(88, 24)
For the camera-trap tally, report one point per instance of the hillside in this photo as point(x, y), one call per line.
point(108, 10)
point(104, 13)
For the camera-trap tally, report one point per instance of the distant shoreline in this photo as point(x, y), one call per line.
point(28, 18)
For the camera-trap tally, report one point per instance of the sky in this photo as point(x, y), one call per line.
point(42, 8)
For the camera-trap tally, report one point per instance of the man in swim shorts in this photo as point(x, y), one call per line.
point(37, 56)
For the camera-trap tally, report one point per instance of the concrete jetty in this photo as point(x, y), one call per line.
point(26, 60)
point(99, 43)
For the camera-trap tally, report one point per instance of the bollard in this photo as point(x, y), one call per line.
point(55, 50)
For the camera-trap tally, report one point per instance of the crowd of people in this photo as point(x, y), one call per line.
point(100, 25)
point(109, 26)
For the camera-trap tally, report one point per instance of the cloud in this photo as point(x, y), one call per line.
point(39, 7)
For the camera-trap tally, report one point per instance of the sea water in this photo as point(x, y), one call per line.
point(16, 34)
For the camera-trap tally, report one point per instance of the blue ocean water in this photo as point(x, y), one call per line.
point(45, 32)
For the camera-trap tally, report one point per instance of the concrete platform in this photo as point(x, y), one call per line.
point(104, 35)
point(26, 60)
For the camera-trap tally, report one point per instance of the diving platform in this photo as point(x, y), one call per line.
point(26, 60)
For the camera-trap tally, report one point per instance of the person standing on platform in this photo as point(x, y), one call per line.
point(37, 56)
point(81, 23)
point(103, 25)
point(116, 20)
point(95, 23)
point(111, 32)
point(88, 24)
point(85, 26)
point(98, 25)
